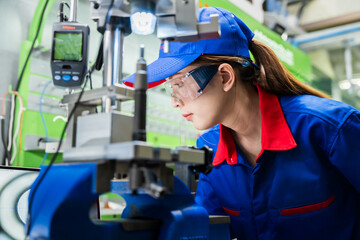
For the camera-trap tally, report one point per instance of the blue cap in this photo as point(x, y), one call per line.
point(234, 41)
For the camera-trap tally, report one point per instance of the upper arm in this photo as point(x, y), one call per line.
point(344, 151)
point(207, 197)
point(205, 193)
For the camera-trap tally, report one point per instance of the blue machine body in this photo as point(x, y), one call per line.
point(62, 203)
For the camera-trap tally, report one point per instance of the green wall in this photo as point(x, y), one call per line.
point(295, 60)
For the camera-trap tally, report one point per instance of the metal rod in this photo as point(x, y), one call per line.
point(113, 52)
point(108, 57)
point(348, 62)
point(73, 10)
point(139, 121)
point(118, 48)
point(106, 104)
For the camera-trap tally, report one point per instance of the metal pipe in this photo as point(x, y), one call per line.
point(139, 121)
point(348, 18)
point(106, 104)
point(118, 48)
point(348, 63)
point(113, 52)
point(108, 57)
point(296, 43)
point(73, 10)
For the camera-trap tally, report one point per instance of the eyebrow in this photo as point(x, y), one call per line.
point(172, 76)
point(178, 73)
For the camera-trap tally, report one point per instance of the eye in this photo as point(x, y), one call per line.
point(179, 84)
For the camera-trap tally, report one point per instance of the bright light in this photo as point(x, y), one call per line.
point(142, 23)
point(344, 85)
point(284, 36)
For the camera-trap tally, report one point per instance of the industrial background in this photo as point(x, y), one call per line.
point(323, 36)
point(317, 40)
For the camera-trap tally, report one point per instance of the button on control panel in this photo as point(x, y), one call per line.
point(67, 78)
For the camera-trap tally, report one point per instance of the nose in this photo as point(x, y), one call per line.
point(176, 102)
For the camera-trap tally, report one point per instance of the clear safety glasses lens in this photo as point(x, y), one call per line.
point(183, 88)
point(189, 86)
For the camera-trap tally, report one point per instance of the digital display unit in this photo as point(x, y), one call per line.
point(68, 46)
point(69, 54)
point(14, 192)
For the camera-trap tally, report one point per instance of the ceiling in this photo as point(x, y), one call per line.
point(331, 37)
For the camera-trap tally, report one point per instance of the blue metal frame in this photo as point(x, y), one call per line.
point(62, 202)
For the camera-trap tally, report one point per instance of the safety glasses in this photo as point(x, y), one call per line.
point(189, 86)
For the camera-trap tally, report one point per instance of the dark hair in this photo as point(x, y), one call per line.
point(272, 75)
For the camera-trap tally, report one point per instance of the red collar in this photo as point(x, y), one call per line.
point(275, 133)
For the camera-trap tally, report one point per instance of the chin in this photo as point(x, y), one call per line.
point(202, 126)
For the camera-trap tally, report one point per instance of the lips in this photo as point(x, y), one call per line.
point(187, 116)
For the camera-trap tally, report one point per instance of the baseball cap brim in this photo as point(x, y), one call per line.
point(163, 68)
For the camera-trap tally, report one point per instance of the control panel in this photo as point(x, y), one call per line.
point(69, 55)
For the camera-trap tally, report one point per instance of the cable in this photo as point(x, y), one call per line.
point(62, 17)
point(26, 62)
point(20, 133)
point(18, 127)
point(33, 191)
point(100, 56)
point(11, 122)
point(89, 76)
point(32, 47)
point(107, 18)
point(43, 119)
point(6, 160)
point(44, 158)
point(41, 112)
point(3, 102)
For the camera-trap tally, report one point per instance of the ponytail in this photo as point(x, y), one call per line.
point(274, 77)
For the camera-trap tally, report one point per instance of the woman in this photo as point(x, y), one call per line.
point(286, 157)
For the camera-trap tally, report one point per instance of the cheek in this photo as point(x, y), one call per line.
point(206, 115)
point(208, 108)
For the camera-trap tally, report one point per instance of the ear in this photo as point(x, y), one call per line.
point(227, 74)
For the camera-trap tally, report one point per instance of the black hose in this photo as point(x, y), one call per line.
point(7, 153)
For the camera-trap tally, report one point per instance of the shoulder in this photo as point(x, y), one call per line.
point(322, 109)
point(209, 137)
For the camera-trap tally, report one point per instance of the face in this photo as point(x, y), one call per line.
point(207, 109)
point(189, 86)
point(183, 87)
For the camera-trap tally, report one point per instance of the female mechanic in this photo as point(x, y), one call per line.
point(286, 159)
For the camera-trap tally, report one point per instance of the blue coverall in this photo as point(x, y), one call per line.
point(306, 181)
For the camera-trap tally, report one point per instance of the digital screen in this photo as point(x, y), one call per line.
point(14, 192)
point(68, 46)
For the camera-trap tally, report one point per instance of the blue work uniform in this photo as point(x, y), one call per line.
point(306, 181)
